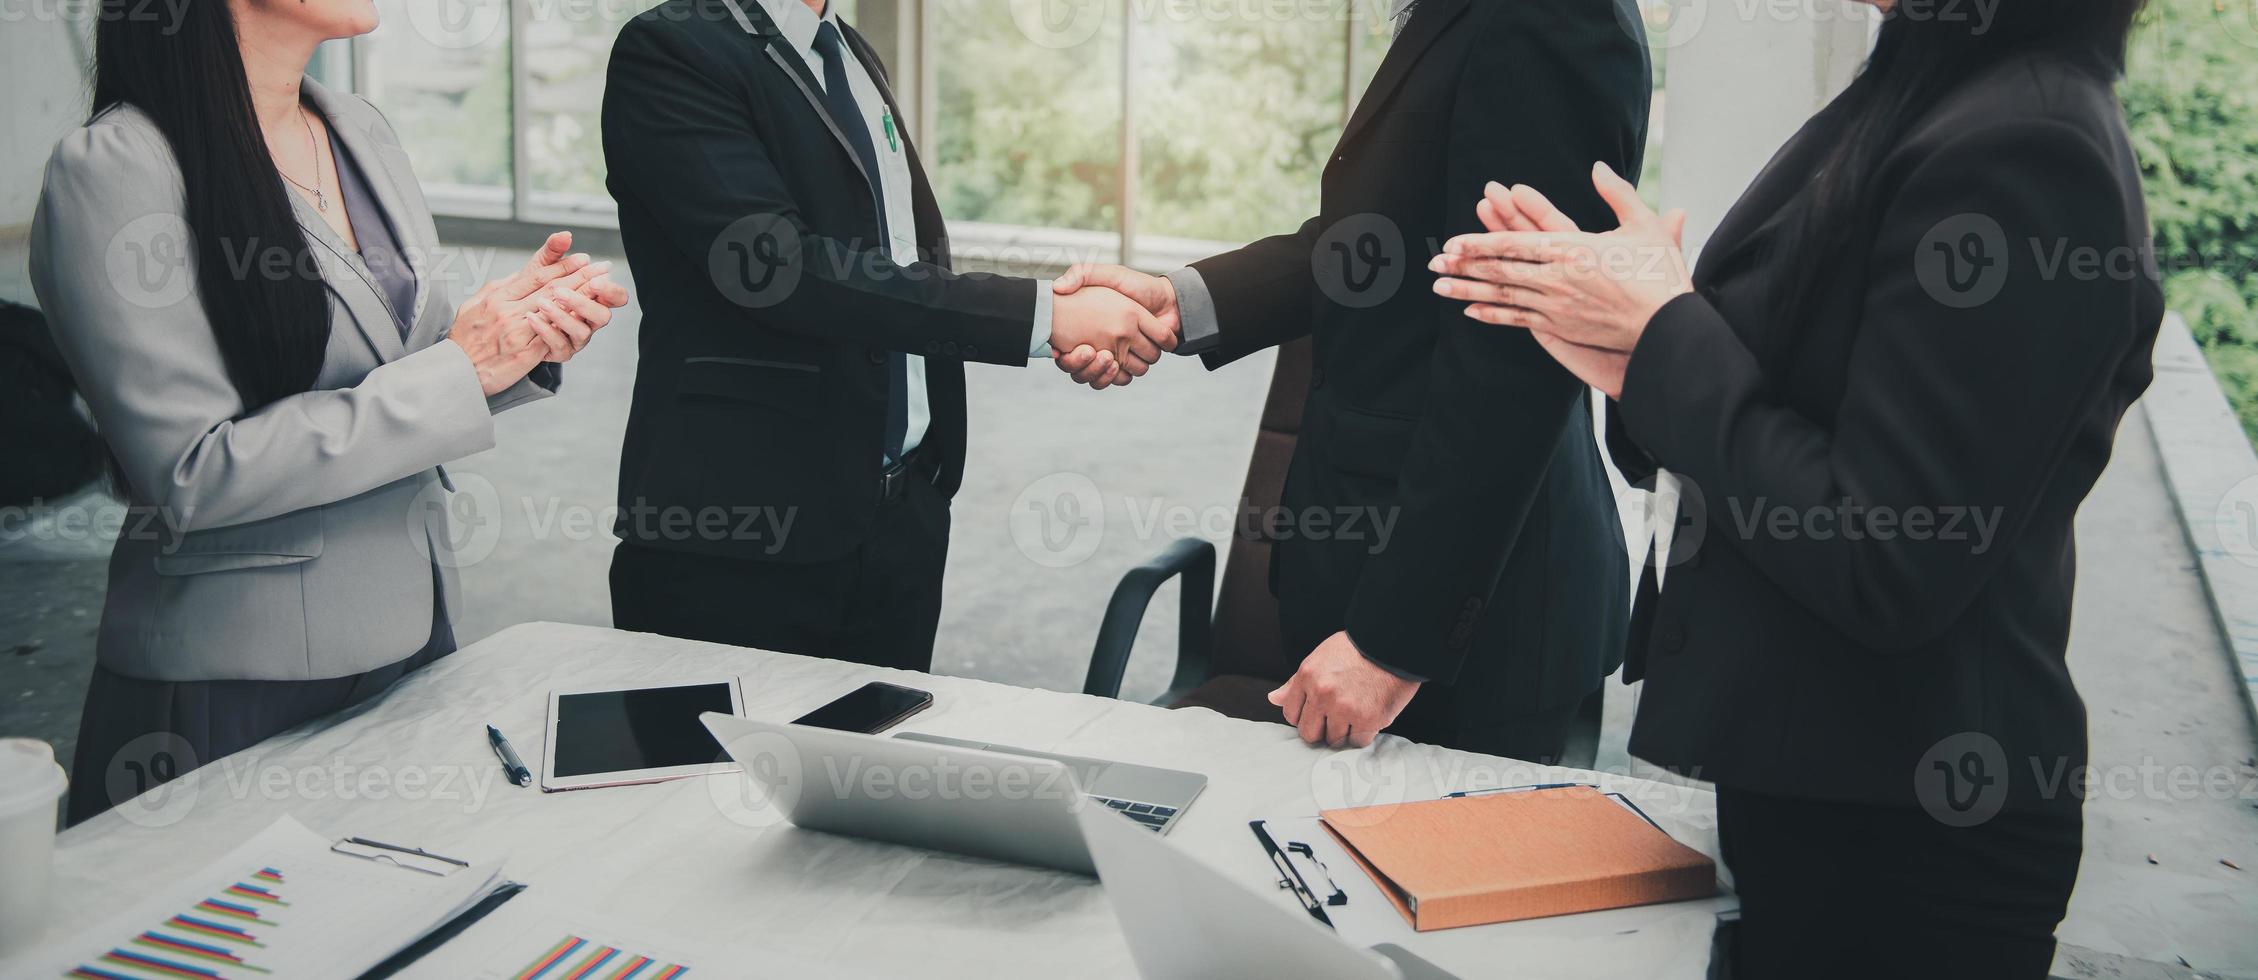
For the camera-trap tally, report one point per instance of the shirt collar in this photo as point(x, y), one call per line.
point(798, 23)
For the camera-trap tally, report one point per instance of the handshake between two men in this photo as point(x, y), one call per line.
point(1111, 324)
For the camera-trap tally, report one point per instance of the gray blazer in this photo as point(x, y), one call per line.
point(297, 542)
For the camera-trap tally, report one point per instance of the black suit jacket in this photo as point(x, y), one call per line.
point(769, 299)
point(1499, 572)
point(1846, 623)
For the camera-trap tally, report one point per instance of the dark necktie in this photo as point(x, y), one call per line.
point(839, 98)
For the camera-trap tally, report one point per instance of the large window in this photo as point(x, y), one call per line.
point(564, 100)
point(1163, 130)
point(1029, 118)
point(1081, 129)
point(1236, 120)
point(440, 70)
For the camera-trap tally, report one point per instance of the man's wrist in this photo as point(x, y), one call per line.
point(1046, 303)
point(1197, 325)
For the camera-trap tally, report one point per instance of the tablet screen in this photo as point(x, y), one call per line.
point(623, 731)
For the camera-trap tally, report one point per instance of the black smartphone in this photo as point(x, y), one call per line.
point(869, 709)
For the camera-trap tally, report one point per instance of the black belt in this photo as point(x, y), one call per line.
point(896, 478)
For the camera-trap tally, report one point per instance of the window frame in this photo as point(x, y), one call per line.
point(911, 49)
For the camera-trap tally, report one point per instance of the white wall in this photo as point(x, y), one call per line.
point(1742, 78)
point(41, 65)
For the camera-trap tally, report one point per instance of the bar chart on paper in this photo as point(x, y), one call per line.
point(581, 958)
point(541, 938)
point(217, 938)
point(282, 905)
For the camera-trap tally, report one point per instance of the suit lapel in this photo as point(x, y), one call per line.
point(1426, 27)
point(384, 180)
point(755, 22)
point(348, 279)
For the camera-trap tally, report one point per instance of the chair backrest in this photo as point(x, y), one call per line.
point(1246, 640)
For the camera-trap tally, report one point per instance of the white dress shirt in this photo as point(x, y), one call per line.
point(895, 182)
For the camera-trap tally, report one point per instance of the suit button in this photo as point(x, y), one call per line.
point(877, 357)
point(949, 349)
point(1674, 638)
point(933, 347)
point(1317, 377)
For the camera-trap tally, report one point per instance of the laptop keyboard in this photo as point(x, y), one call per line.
point(1154, 818)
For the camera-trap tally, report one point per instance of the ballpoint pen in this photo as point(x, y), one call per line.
point(512, 766)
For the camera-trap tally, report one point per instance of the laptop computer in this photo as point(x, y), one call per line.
point(947, 794)
point(1186, 920)
point(1149, 795)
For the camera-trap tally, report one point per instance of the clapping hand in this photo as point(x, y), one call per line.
point(546, 311)
point(1096, 366)
point(1522, 208)
point(573, 296)
point(1586, 298)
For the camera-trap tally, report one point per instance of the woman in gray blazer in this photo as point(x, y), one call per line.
point(242, 273)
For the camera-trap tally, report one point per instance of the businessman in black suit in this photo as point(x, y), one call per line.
point(798, 420)
point(1494, 602)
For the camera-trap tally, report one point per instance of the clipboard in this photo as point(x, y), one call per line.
point(421, 861)
point(1325, 881)
point(441, 936)
point(1300, 871)
point(407, 858)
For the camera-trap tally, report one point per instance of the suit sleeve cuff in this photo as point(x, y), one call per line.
point(1397, 672)
point(1683, 353)
point(1039, 345)
point(1195, 312)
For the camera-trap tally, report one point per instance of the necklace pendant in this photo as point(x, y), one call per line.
point(321, 201)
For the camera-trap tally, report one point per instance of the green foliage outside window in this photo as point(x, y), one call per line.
point(2191, 97)
point(1028, 134)
point(1236, 116)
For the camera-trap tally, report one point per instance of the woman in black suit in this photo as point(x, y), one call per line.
point(1895, 374)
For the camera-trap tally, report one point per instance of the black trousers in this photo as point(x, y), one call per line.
point(879, 605)
point(1844, 890)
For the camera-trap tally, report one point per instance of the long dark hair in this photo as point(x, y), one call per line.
point(270, 316)
point(1925, 50)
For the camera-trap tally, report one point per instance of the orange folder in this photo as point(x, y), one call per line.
point(1511, 856)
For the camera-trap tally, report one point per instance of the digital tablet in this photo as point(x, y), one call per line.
point(615, 737)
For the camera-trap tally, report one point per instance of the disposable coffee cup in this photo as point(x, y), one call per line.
point(31, 786)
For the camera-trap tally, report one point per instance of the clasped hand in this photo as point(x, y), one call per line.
point(547, 311)
point(1111, 324)
point(1586, 298)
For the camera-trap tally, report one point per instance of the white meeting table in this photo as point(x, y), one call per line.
point(689, 857)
